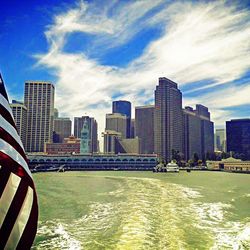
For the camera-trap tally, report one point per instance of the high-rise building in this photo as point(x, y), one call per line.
point(132, 128)
point(92, 125)
point(62, 127)
point(238, 137)
point(85, 146)
point(144, 128)
point(220, 140)
point(56, 113)
point(39, 100)
point(20, 115)
point(117, 122)
point(123, 107)
point(207, 130)
point(198, 132)
point(114, 143)
point(111, 139)
point(168, 120)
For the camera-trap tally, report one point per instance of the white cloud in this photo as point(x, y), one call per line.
point(199, 41)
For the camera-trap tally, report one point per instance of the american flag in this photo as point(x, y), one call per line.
point(18, 200)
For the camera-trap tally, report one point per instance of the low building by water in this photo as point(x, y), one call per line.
point(230, 164)
point(93, 162)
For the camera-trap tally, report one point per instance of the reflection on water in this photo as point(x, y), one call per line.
point(146, 213)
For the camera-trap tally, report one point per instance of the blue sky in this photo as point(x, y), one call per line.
point(98, 51)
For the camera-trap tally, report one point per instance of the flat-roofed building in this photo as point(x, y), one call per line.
point(19, 111)
point(39, 100)
point(69, 145)
point(62, 127)
point(117, 122)
point(198, 132)
point(238, 137)
point(144, 128)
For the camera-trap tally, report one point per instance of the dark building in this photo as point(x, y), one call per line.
point(198, 132)
point(168, 119)
point(123, 107)
point(238, 137)
point(92, 125)
point(62, 127)
point(144, 128)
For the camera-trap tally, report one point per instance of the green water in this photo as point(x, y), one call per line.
point(143, 210)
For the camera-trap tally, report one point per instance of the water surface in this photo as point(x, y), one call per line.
point(143, 210)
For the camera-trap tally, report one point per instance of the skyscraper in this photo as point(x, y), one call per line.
point(207, 130)
point(168, 123)
point(117, 122)
point(144, 128)
point(220, 140)
point(123, 107)
point(238, 137)
point(39, 100)
point(92, 125)
point(62, 127)
point(198, 132)
point(20, 115)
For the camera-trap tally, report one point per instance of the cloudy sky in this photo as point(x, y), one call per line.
point(98, 51)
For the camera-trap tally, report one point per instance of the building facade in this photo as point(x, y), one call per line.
point(93, 127)
point(238, 137)
point(110, 140)
point(220, 140)
point(69, 145)
point(123, 107)
point(144, 128)
point(168, 121)
point(85, 146)
point(117, 122)
point(62, 127)
point(198, 132)
point(20, 115)
point(39, 100)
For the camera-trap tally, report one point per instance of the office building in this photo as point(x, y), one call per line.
point(123, 107)
point(168, 121)
point(69, 145)
point(220, 140)
point(20, 115)
point(115, 144)
point(144, 128)
point(117, 122)
point(198, 132)
point(132, 128)
point(238, 137)
point(207, 130)
point(92, 126)
point(110, 139)
point(39, 100)
point(62, 127)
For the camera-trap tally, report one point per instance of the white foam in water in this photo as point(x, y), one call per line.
point(153, 217)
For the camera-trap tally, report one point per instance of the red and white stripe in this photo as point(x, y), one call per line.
point(18, 200)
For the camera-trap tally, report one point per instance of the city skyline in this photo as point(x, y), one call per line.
point(86, 60)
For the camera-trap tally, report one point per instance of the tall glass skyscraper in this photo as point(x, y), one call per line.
point(238, 137)
point(168, 121)
point(123, 107)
